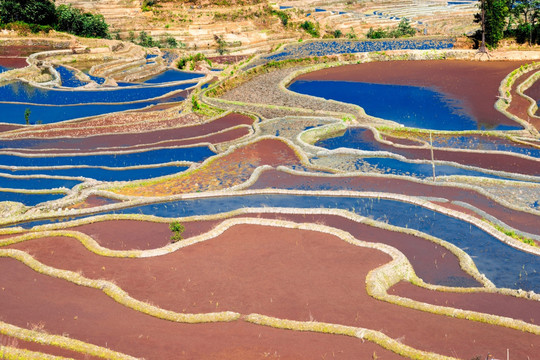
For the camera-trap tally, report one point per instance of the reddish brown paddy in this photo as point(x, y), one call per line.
point(227, 128)
point(474, 83)
point(221, 172)
point(286, 273)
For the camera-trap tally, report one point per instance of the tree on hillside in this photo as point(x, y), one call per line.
point(42, 12)
point(527, 13)
point(74, 21)
point(495, 13)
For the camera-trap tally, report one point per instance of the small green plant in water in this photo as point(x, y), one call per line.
point(177, 230)
point(27, 116)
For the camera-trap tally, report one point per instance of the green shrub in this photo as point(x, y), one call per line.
point(177, 229)
point(76, 22)
point(310, 28)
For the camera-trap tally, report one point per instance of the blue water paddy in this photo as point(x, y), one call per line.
point(411, 106)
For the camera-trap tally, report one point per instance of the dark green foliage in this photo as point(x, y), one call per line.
point(404, 29)
point(76, 22)
point(27, 116)
point(527, 15)
point(282, 15)
point(42, 15)
point(222, 45)
point(195, 104)
point(310, 28)
point(146, 40)
point(337, 33)
point(41, 12)
point(376, 34)
point(171, 42)
point(146, 4)
point(177, 230)
point(193, 59)
point(496, 12)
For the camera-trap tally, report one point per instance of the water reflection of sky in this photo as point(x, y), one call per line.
point(50, 106)
point(361, 139)
point(159, 156)
point(411, 106)
point(24, 93)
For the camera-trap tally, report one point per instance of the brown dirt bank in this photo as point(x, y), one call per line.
point(221, 172)
point(91, 316)
point(178, 136)
point(279, 179)
point(503, 305)
point(475, 83)
point(260, 269)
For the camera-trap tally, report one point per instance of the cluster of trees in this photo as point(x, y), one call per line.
point(519, 19)
point(46, 15)
point(404, 29)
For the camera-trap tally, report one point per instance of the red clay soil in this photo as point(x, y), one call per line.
point(142, 235)
point(534, 93)
point(9, 127)
point(503, 305)
point(474, 83)
point(13, 62)
point(125, 122)
point(221, 172)
point(499, 162)
point(175, 136)
point(278, 179)
point(93, 201)
point(23, 50)
point(91, 144)
point(286, 273)
point(431, 262)
point(89, 315)
point(519, 105)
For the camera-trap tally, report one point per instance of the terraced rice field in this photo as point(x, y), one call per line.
point(316, 225)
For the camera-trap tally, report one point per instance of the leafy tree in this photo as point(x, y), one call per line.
point(74, 21)
point(177, 229)
point(405, 29)
point(171, 42)
point(496, 12)
point(337, 33)
point(376, 34)
point(146, 40)
point(222, 44)
point(527, 13)
point(310, 28)
point(41, 12)
point(27, 116)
